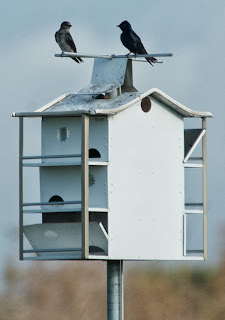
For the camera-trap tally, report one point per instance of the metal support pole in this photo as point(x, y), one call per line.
point(115, 310)
point(21, 188)
point(85, 187)
point(204, 191)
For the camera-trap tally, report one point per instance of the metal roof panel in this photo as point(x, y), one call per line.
point(75, 104)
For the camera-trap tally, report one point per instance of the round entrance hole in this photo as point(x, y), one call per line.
point(56, 199)
point(94, 153)
point(146, 104)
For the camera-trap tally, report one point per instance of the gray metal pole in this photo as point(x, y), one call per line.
point(85, 187)
point(115, 290)
point(21, 187)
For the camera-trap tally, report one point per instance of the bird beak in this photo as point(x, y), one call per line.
point(118, 26)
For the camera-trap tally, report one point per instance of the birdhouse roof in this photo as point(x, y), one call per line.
point(93, 103)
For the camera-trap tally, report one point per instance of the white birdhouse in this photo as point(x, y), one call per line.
point(113, 168)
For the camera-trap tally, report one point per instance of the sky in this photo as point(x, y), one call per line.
point(31, 77)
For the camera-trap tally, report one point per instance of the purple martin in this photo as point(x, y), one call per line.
point(65, 40)
point(132, 41)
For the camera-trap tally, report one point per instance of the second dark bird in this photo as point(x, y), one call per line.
point(132, 41)
point(65, 40)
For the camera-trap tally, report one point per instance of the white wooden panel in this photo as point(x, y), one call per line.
point(109, 71)
point(98, 136)
point(66, 183)
point(62, 135)
point(146, 184)
point(63, 236)
point(98, 189)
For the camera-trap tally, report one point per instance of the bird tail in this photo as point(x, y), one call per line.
point(77, 59)
point(151, 60)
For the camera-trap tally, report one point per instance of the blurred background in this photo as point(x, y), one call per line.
point(31, 76)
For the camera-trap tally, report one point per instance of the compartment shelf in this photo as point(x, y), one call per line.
point(193, 165)
point(64, 210)
point(190, 211)
point(64, 164)
point(46, 258)
point(53, 250)
point(194, 162)
point(195, 251)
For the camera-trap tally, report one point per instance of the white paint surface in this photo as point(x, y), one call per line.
point(146, 184)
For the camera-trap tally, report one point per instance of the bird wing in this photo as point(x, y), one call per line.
point(129, 41)
point(56, 36)
point(133, 43)
point(70, 42)
point(140, 47)
point(141, 50)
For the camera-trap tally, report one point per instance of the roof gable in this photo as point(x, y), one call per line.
point(110, 92)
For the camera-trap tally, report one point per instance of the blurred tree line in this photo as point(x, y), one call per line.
point(77, 290)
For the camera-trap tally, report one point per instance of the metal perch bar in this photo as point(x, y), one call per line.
point(113, 56)
point(56, 156)
point(53, 250)
point(32, 204)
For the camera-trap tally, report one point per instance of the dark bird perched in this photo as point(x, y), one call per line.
point(132, 42)
point(65, 41)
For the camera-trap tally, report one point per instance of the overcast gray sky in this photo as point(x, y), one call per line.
point(31, 76)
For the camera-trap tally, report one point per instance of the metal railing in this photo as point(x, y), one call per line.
point(84, 193)
point(56, 156)
point(203, 205)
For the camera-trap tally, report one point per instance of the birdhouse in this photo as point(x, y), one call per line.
point(114, 168)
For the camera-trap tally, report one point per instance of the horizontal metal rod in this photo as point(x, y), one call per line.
point(74, 113)
point(139, 60)
point(195, 251)
point(52, 156)
point(53, 250)
point(31, 204)
point(189, 211)
point(193, 165)
point(195, 158)
point(112, 56)
point(194, 204)
point(62, 210)
point(71, 54)
point(147, 55)
point(33, 211)
point(46, 258)
point(63, 164)
point(51, 164)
